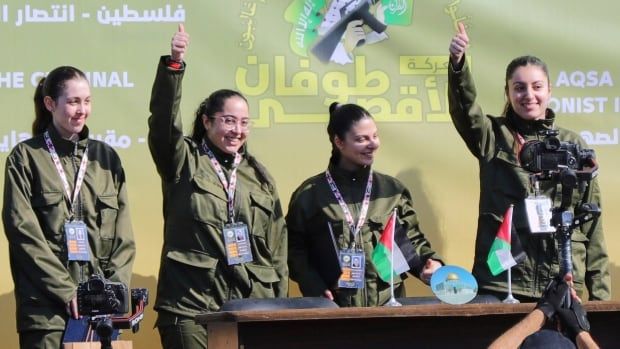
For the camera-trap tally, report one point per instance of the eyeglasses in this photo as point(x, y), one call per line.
point(230, 122)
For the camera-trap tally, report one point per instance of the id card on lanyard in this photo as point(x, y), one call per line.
point(352, 260)
point(235, 234)
point(76, 231)
point(352, 263)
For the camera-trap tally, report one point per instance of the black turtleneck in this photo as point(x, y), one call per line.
point(358, 176)
point(530, 127)
point(225, 159)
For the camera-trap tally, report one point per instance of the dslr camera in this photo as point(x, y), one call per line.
point(551, 155)
point(99, 296)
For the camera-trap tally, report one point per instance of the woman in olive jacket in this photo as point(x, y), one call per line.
point(496, 143)
point(55, 182)
point(224, 230)
point(322, 230)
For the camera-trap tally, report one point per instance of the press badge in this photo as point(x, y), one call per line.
point(539, 214)
point(352, 264)
point(237, 242)
point(76, 235)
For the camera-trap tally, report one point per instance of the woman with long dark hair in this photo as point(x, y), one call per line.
point(496, 142)
point(65, 210)
point(336, 218)
point(224, 231)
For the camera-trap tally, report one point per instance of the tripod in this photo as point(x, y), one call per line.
point(563, 219)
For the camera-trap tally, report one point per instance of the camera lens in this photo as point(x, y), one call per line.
point(95, 285)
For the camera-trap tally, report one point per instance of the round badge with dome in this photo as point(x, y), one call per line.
point(454, 285)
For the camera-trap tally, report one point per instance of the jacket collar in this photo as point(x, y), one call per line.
point(530, 127)
point(63, 145)
point(339, 173)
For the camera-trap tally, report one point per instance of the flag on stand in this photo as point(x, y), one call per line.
point(506, 250)
point(402, 256)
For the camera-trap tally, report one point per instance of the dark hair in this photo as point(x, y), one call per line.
point(341, 119)
point(521, 62)
point(53, 86)
point(211, 105)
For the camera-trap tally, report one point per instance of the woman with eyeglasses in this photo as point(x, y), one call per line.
point(224, 231)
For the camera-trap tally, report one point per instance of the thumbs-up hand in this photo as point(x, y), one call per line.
point(179, 44)
point(458, 46)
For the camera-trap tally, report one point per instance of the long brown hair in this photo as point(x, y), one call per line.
point(53, 86)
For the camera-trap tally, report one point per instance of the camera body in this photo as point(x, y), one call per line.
point(99, 296)
point(551, 154)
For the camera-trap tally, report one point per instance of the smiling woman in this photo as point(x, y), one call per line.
point(330, 251)
point(56, 183)
point(224, 234)
point(497, 142)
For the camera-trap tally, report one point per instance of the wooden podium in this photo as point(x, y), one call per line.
point(420, 326)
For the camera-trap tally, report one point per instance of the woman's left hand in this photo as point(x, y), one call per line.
point(428, 270)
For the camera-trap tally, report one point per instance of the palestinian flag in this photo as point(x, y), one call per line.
point(506, 250)
point(397, 260)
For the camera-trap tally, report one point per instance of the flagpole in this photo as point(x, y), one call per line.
point(392, 302)
point(509, 298)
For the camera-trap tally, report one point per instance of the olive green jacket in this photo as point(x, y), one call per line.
point(194, 275)
point(313, 258)
point(494, 142)
point(34, 213)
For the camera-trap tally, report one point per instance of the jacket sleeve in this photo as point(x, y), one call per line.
point(307, 277)
point(31, 256)
point(165, 135)
point(409, 220)
point(124, 249)
point(280, 251)
point(597, 277)
point(471, 123)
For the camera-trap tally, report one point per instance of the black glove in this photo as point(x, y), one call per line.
point(553, 297)
point(573, 320)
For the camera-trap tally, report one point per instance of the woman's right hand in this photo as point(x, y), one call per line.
point(179, 44)
point(72, 308)
point(458, 46)
point(328, 294)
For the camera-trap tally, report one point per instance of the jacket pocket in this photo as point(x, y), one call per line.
point(578, 250)
point(188, 280)
point(107, 211)
point(263, 278)
point(48, 208)
point(208, 201)
point(195, 259)
point(262, 209)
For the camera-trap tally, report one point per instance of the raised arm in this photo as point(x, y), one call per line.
point(472, 124)
point(165, 125)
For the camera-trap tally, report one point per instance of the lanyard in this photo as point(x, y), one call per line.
point(347, 214)
point(228, 187)
point(61, 172)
